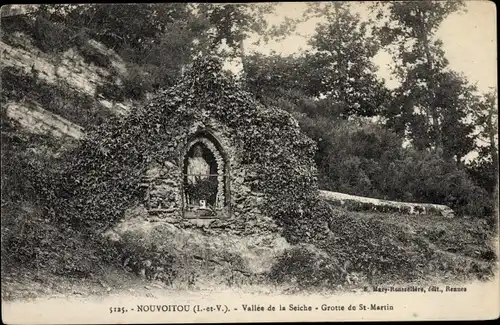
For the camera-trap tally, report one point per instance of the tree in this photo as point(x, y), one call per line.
point(117, 25)
point(155, 40)
point(485, 167)
point(230, 25)
point(456, 101)
point(408, 31)
point(338, 70)
point(340, 62)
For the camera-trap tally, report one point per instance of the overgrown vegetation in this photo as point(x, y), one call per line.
point(406, 144)
point(30, 239)
point(371, 248)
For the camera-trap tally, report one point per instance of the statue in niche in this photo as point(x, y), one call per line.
point(201, 185)
point(198, 169)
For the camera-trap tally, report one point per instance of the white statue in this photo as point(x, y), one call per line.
point(197, 169)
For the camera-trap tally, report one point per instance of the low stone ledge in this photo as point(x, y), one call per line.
point(360, 203)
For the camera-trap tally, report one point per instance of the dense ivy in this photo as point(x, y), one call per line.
point(102, 176)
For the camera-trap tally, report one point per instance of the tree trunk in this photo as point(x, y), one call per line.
point(243, 64)
point(432, 85)
point(242, 56)
point(493, 150)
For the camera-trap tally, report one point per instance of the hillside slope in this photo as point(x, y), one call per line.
point(440, 251)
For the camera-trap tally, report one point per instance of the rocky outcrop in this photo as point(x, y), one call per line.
point(37, 120)
point(70, 68)
point(67, 71)
point(168, 252)
point(359, 203)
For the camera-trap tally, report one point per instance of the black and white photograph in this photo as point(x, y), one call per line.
point(249, 162)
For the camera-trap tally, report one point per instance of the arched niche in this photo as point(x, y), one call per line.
point(205, 178)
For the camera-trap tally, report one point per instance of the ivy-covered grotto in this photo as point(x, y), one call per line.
point(202, 149)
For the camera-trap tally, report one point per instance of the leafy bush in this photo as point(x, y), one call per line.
point(110, 90)
point(307, 267)
point(30, 239)
point(91, 55)
point(136, 84)
point(375, 248)
point(51, 37)
point(306, 222)
point(363, 158)
point(42, 246)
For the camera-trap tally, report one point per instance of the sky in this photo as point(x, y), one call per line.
point(469, 40)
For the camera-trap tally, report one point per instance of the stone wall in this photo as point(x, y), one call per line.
point(163, 190)
point(359, 203)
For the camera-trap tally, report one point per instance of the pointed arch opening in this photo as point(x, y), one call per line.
point(205, 178)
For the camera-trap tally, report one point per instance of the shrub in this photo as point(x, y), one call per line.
point(42, 246)
point(91, 55)
point(308, 267)
point(362, 158)
point(30, 239)
point(136, 84)
point(51, 37)
point(110, 90)
point(304, 222)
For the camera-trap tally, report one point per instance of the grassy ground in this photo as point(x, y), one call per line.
point(462, 249)
point(466, 238)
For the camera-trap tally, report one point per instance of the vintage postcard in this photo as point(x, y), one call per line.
point(250, 162)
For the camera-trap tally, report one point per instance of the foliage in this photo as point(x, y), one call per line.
point(307, 268)
point(230, 24)
point(90, 55)
point(432, 103)
point(155, 52)
point(116, 25)
point(26, 158)
point(338, 247)
point(484, 168)
point(340, 62)
point(356, 156)
point(338, 68)
point(160, 39)
point(153, 261)
point(41, 245)
point(363, 158)
point(29, 238)
point(203, 189)
point(137, 84)
point(274, 74)
point(399, 253)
